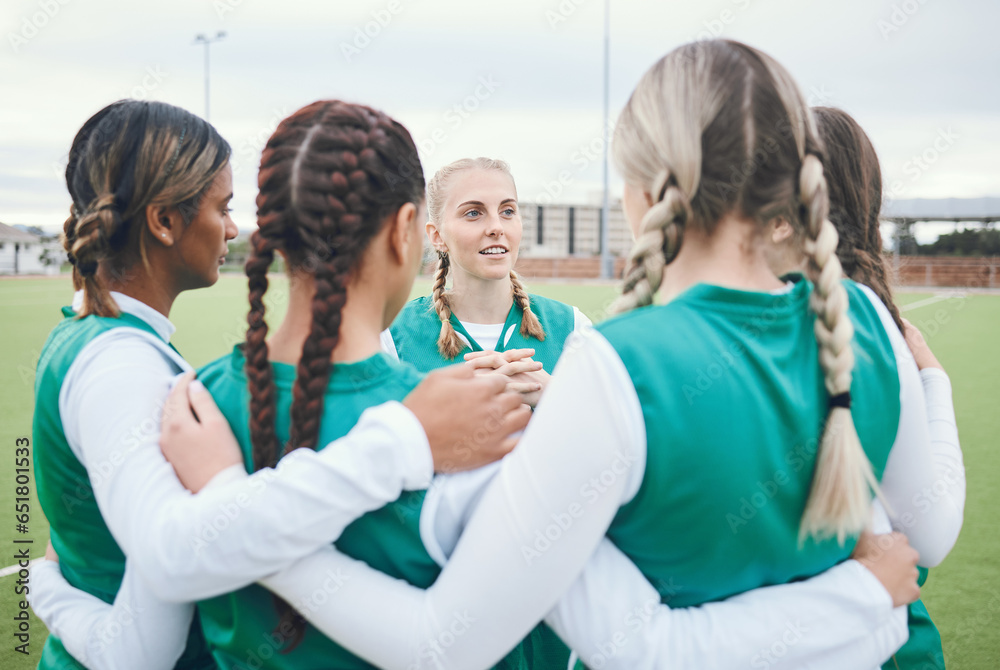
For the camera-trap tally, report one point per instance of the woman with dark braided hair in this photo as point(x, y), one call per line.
point(486, 317)
point(855, 182)
point(724, 442)
point(151, 185)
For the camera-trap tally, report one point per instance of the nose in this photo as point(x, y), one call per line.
point(231, 230)
point(494, 227)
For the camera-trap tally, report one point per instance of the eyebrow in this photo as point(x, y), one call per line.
point(476, 202)
point(228, 197)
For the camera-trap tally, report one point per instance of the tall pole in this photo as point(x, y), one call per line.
point(207, 41)
point(607, 270)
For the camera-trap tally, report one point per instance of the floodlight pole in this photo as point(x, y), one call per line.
point(207, 41)
point(607, 269)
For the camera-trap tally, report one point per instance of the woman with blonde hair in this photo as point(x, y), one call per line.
point(727, 440)
point(474, 226)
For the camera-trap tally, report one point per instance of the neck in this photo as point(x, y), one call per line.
point(360, 323)
point(136, 283)
point(732, 257)
point(476, 300)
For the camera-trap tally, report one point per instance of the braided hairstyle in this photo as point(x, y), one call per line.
point(449, 343)
point(716, 127)
point(855, 183)
point(131, 155)
point(330, 176)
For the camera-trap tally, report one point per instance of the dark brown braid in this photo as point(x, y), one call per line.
point(855, 183)
point(330, 176)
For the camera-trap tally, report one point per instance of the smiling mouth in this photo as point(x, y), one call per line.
point(493, 251)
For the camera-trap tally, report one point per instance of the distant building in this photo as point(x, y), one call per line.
point(22, 253)
point(558, 231)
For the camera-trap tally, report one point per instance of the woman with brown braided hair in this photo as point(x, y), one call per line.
point(151, 185)
point(855, 182)
point(727, 440)
point(486, 317)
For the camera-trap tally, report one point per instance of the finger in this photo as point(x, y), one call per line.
point(491, 360)
point(472, 355)
point(493, 384)
point(204, 406)
point(516, 420)
point(177, 401)
point(517, 367)
point(517, 354)
point(523, 387)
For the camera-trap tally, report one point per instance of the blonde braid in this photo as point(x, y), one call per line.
point(449, 344)
point(659, 240)
point(530, 325)
point(840, 496)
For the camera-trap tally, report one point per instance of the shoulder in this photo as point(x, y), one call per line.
point(417, 308)
point(228, 366)
point(552, 312)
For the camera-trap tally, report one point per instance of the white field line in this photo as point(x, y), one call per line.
point(12, 569)
point(930, 301)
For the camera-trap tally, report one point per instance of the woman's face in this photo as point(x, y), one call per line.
point(481, 226)
point(201, 248)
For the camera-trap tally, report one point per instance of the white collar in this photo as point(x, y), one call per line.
point(129, 305)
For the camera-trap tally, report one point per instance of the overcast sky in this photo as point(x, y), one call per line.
point(519, 80)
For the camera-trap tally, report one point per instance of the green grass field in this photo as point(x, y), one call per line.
point(963, 595)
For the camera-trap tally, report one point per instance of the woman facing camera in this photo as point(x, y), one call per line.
point(486, 317)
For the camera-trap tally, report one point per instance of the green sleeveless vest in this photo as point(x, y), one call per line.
point(734, 405)
point(415, 332)
point(240, 626)
point(89, 557)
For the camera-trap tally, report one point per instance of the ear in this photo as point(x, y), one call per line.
point(781, 230)
point(165, 224)
point(403, 233)
point(434, 235)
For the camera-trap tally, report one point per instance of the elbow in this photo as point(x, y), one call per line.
point(936, 549)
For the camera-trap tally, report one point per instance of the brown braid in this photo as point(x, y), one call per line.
point(530, 325)
point(855, 183)
point(449, 343)
point(330, 176)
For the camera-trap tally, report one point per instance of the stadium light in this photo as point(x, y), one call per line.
point(207, 41)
